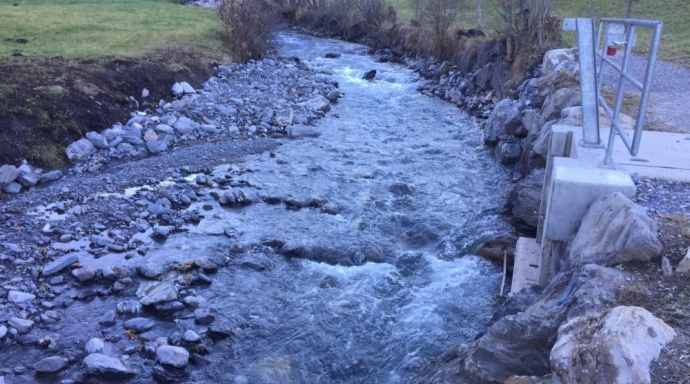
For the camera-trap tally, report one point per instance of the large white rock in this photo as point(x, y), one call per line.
point(615, 346)
point(615, 230)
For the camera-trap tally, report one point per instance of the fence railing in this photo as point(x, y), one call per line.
point(619, 33)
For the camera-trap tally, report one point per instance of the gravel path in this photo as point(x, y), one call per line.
point(669, 106)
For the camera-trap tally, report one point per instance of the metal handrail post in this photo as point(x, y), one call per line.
point(588, 83)
point(644, 99)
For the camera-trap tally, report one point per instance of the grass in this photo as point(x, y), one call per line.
point(675, 42)
point(5, 90)
point(97, 28)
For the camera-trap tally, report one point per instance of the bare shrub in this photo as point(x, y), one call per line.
point(438, 16)
point(371, 12)
point(248, 27)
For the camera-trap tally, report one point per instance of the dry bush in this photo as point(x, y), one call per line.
point(438, 16)
point(249, 27)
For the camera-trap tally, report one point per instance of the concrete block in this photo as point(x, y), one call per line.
point(526, 264)
point(574, 186)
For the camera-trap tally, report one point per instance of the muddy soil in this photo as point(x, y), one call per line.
point(47, 103)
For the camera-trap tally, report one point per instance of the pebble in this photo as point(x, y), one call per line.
point(84, 273)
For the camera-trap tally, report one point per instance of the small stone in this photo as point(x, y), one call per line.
point(19, 297)
point(191, 336)
point(175, 356)
point(95, 345)
point(84, 273)
point(3, 331)
point(50, 364)
point(149, 272)
point(203, 316)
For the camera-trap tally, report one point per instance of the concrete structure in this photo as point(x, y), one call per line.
point(575, 178)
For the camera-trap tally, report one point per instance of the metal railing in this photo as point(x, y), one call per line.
point(633, 145)
point(619, 33)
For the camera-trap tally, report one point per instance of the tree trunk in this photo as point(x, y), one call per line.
point(629, 11)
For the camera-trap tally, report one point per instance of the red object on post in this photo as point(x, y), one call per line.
point(611, 51)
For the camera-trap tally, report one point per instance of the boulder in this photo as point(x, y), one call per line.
point(12, 188)
point(186, 88)
point(106, 367)
point(615, 230)
point(520, 344)
point(177, 89)
point(28, 177)
point(556, 102)
point(80, 149)
point(185, 125)
point(8, 173)
point(555, 58)
point(99, 141)
point(177, 357)
point(158, 292)
point(508, 152)
point(615, 346)
point(524, 203)
point(506, 113)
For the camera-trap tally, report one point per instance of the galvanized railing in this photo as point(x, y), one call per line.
point(619, 33)
point(627, 27)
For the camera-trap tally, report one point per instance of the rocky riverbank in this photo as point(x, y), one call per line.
point(559, 334)
point(232, 116)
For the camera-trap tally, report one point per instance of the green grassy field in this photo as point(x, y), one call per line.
point(675, 44)
point(95, 28)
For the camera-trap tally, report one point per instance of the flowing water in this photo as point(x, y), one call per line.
point(389, 282)
point(378, 277)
